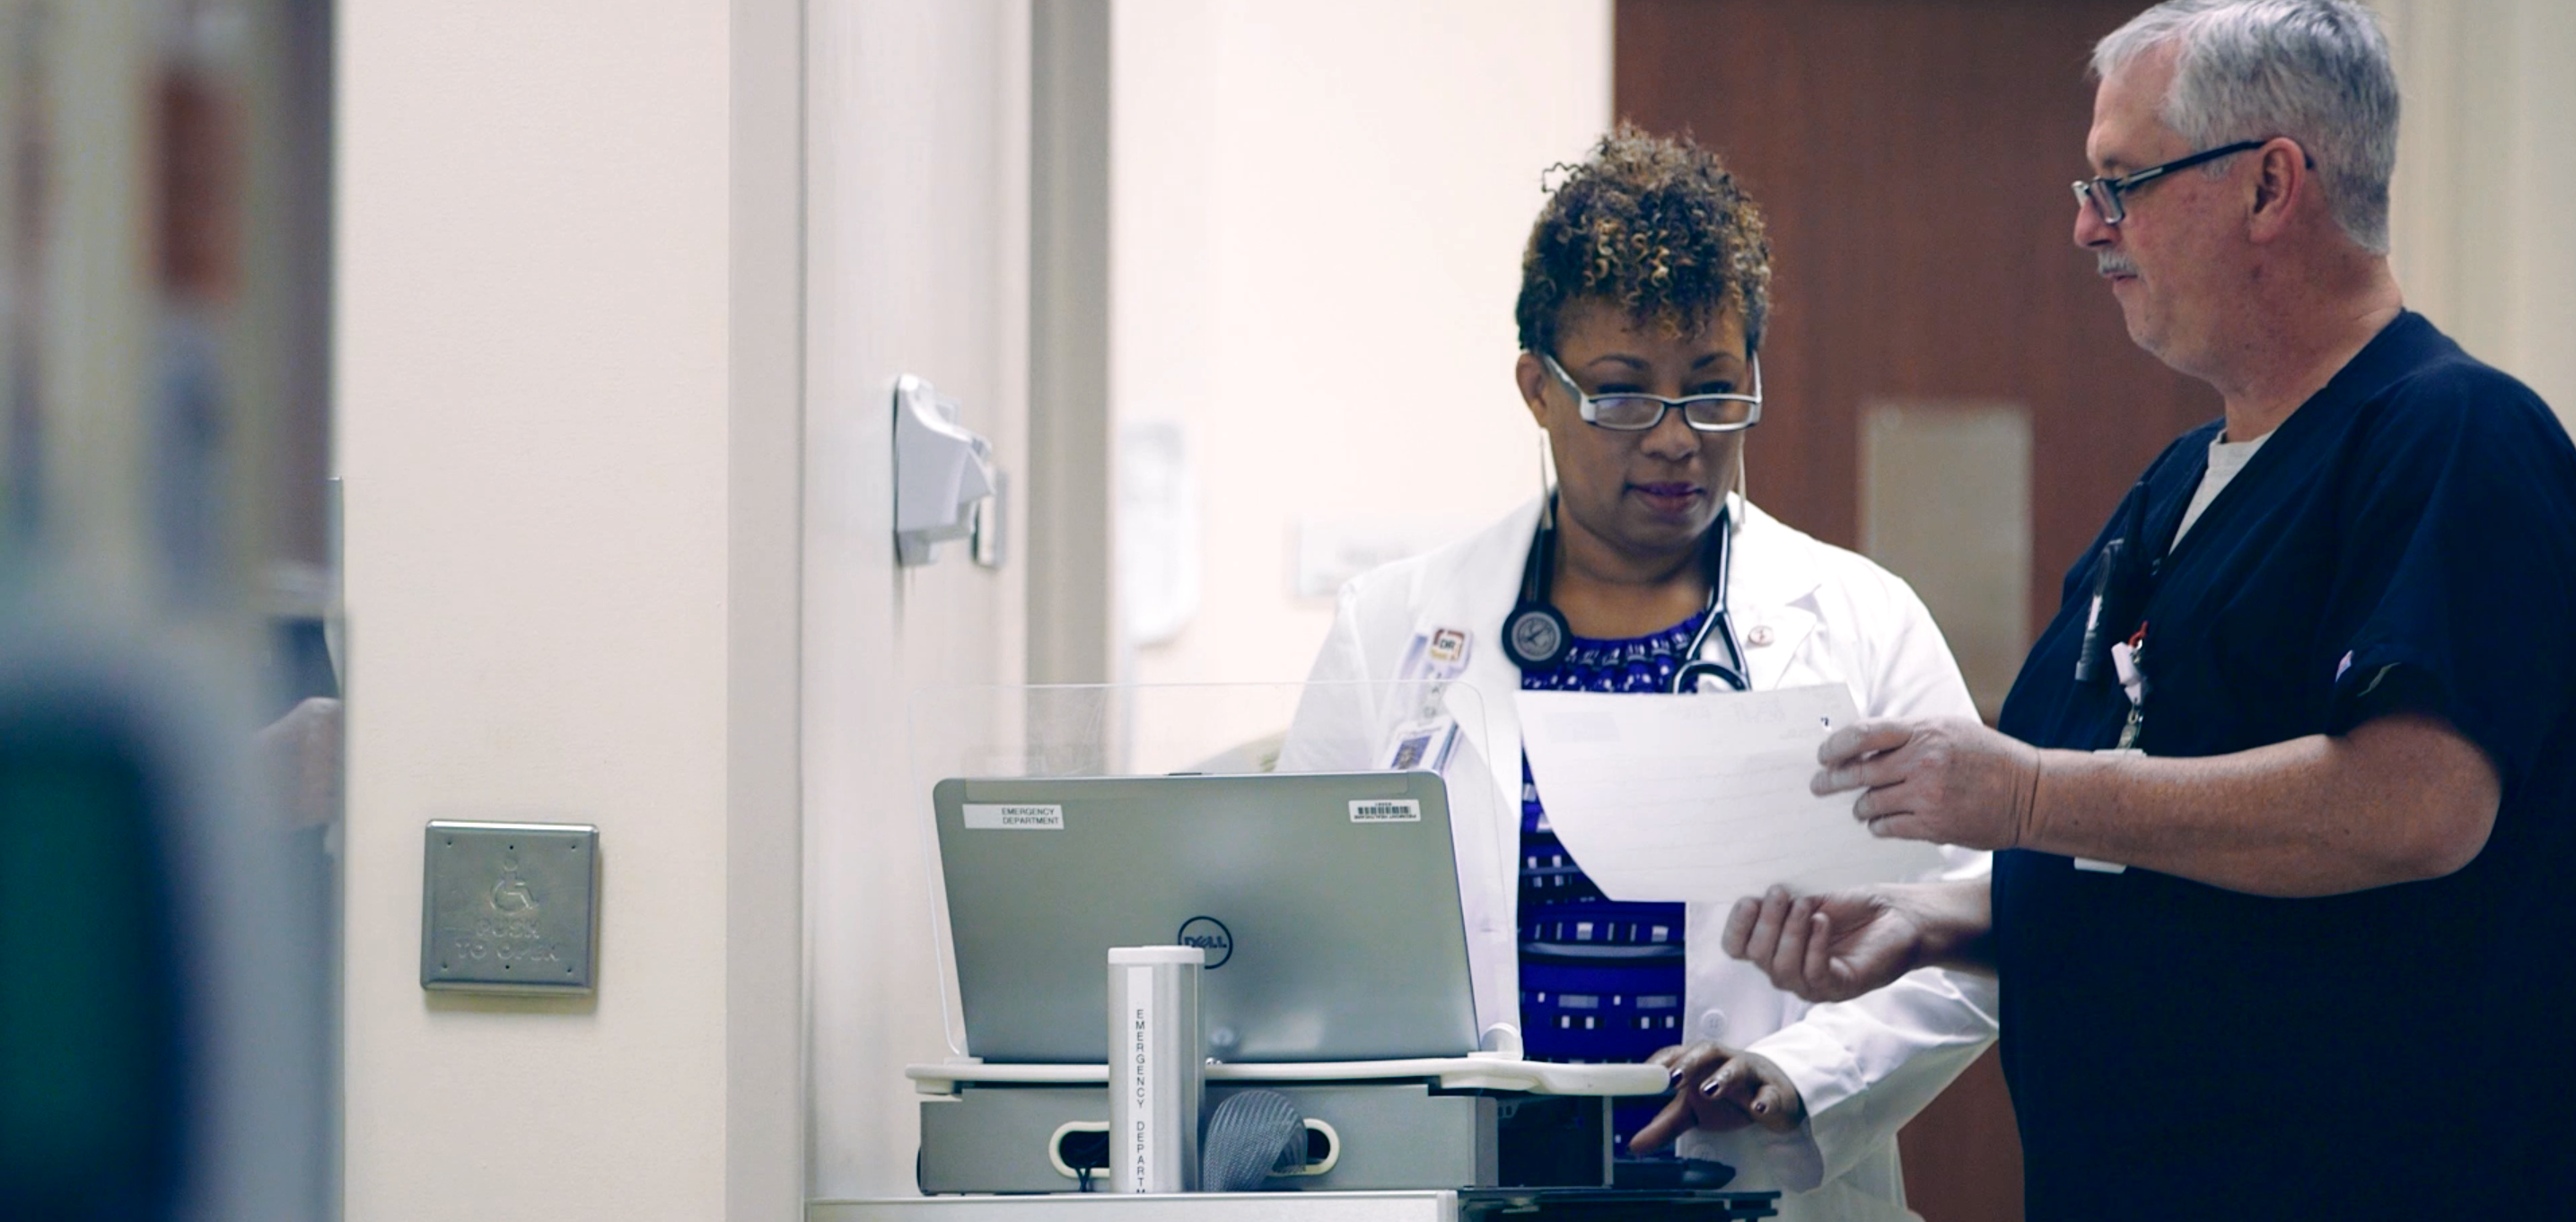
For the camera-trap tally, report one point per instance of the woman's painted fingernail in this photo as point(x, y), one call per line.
point(1672, 1074)
point(1709, 1088)
point(1760, 1107)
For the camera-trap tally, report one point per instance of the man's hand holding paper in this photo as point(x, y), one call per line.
point(1948, 780)
point(1704, 797)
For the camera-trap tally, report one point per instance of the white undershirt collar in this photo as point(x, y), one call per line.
point(2226, 458)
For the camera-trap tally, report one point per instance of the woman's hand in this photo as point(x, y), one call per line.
point(1826, 947)
point(1836, 947)
point(1720, 1089)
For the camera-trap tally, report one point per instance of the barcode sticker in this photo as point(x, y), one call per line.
point(1386, 810)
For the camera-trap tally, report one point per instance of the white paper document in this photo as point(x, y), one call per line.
point(1704, 797)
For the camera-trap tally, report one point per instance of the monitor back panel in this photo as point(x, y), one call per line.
point(1328, 905)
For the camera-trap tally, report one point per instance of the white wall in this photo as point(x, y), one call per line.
point(1318, 212)
point(570, 272)
point(2479, 231)
point(917, 261)
point(567, 277)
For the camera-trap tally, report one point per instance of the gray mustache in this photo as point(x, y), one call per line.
point(2109, 264)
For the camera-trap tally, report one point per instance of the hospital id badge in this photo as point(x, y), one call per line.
point(1426, 733)
point(1423, 746)
point(2092, 865)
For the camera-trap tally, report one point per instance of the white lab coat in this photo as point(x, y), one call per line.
point(1806, 612)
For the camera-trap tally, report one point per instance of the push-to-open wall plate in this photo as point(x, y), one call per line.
point(509, 907)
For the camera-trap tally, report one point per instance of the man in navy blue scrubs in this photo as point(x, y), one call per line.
point(2287, 792)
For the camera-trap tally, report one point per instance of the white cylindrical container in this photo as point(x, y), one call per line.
point(1157, 1063)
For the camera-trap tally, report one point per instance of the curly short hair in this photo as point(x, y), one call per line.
point(1654, 225)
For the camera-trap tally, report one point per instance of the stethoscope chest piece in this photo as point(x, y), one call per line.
point(1536, 637)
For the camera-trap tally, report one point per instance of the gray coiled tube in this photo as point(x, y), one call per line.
point(1252, 1136)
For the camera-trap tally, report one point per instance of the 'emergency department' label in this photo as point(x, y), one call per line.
point(1141, 1072)
point(1386, 810)
point(1015, 818)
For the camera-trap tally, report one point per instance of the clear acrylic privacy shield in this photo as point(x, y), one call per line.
point(1315, 839)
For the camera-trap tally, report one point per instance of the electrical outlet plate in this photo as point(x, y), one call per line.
point(509, 907)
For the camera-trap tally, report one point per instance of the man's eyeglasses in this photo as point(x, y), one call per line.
point(2104, 193)
point(1634, 413)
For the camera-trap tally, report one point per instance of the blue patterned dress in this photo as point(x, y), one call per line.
point(1601, 979)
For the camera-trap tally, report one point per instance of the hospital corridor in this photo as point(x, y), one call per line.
point(1252, 611)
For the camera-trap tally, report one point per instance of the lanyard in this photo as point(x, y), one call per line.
point(2123, 581)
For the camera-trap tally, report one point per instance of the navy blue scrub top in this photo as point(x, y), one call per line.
point(2405, 541)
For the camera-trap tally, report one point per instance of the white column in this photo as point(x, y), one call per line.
point(568, 310)
point(2478, 231)
point(917, 261)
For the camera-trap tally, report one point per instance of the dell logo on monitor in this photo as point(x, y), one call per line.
point(1208, 934)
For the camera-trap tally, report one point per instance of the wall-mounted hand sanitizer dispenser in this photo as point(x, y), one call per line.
point(942, 472)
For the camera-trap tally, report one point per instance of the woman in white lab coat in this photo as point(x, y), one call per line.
point(1647, 279)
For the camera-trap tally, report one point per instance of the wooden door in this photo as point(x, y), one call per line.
point(1913, 158)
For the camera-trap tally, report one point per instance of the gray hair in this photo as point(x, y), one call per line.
point(2316, 71)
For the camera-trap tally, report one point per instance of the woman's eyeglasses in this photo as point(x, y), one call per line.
point(1634, 413)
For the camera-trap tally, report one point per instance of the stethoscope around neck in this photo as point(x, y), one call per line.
point(1536, 637)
